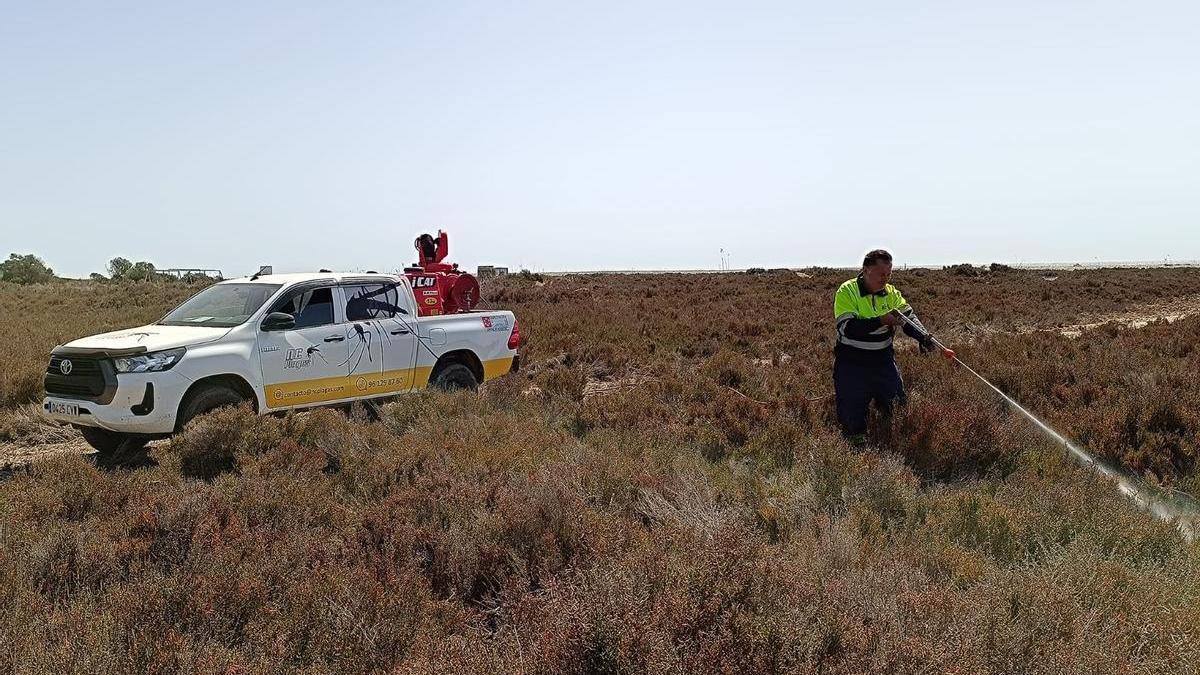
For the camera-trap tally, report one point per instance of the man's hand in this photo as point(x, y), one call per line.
point(891, 319)
point(926, 345)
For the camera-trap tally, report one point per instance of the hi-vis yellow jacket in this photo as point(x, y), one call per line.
point(860, 332)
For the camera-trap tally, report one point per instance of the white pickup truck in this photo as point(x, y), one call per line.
point(279, 341)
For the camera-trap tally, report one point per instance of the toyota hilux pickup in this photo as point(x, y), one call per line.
point(277, 342)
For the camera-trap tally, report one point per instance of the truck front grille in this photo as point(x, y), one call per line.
point(87, 378)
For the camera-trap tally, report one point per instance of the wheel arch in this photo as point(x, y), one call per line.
point(464, 356)
point(229, 380)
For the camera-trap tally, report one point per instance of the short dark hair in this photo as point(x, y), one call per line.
point(875, 256)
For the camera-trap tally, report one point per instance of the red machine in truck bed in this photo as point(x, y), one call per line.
point(440, 287)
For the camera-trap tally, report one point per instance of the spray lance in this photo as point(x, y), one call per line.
point(1180, 510)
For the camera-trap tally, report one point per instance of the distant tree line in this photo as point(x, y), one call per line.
point(30, 269)
point(25, 269)
point(123, 268)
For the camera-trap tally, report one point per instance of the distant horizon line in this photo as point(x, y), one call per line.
point(1058, 266)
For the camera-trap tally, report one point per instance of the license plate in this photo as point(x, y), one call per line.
point(70, 409)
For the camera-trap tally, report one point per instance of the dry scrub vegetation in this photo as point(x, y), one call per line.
point(35, 318)
point(661, 488)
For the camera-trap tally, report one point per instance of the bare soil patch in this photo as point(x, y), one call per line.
point(13, 456)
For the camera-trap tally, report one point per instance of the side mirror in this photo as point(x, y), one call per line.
point(279, 321)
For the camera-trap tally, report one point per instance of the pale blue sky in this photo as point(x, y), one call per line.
point(572, 135)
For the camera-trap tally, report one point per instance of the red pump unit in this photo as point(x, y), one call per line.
point(440, 287)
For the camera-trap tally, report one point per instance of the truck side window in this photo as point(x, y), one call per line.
point(371, 301)
point(312, 307)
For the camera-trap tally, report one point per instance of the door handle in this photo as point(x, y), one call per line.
point(335, 338)
point(400, 331)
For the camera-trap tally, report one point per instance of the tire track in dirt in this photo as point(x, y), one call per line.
point(1135, 317)
point(14, 456)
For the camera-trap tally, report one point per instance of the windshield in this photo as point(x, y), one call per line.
point(221, 306)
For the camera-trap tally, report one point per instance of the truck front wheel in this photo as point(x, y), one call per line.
point(108, 442)
point(454, 377)
point(206, 398)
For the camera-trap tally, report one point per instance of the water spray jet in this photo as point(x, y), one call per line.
point(1180, 510)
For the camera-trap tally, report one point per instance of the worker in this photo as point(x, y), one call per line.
point(866, 309)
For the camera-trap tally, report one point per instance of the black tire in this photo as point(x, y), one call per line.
point(205, 399)
point(110, 442)
point(455, 377)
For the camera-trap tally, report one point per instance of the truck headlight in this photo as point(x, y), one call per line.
point(149, 363)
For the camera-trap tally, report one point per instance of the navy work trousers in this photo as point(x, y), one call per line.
point(856, 384)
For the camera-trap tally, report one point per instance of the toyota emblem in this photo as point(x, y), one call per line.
point(65, 367)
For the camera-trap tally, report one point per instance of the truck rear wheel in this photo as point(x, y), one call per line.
point(108, 442)
point(206, 398)
point(455, 377)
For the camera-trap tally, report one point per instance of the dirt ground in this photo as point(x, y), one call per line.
point(13, 455)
